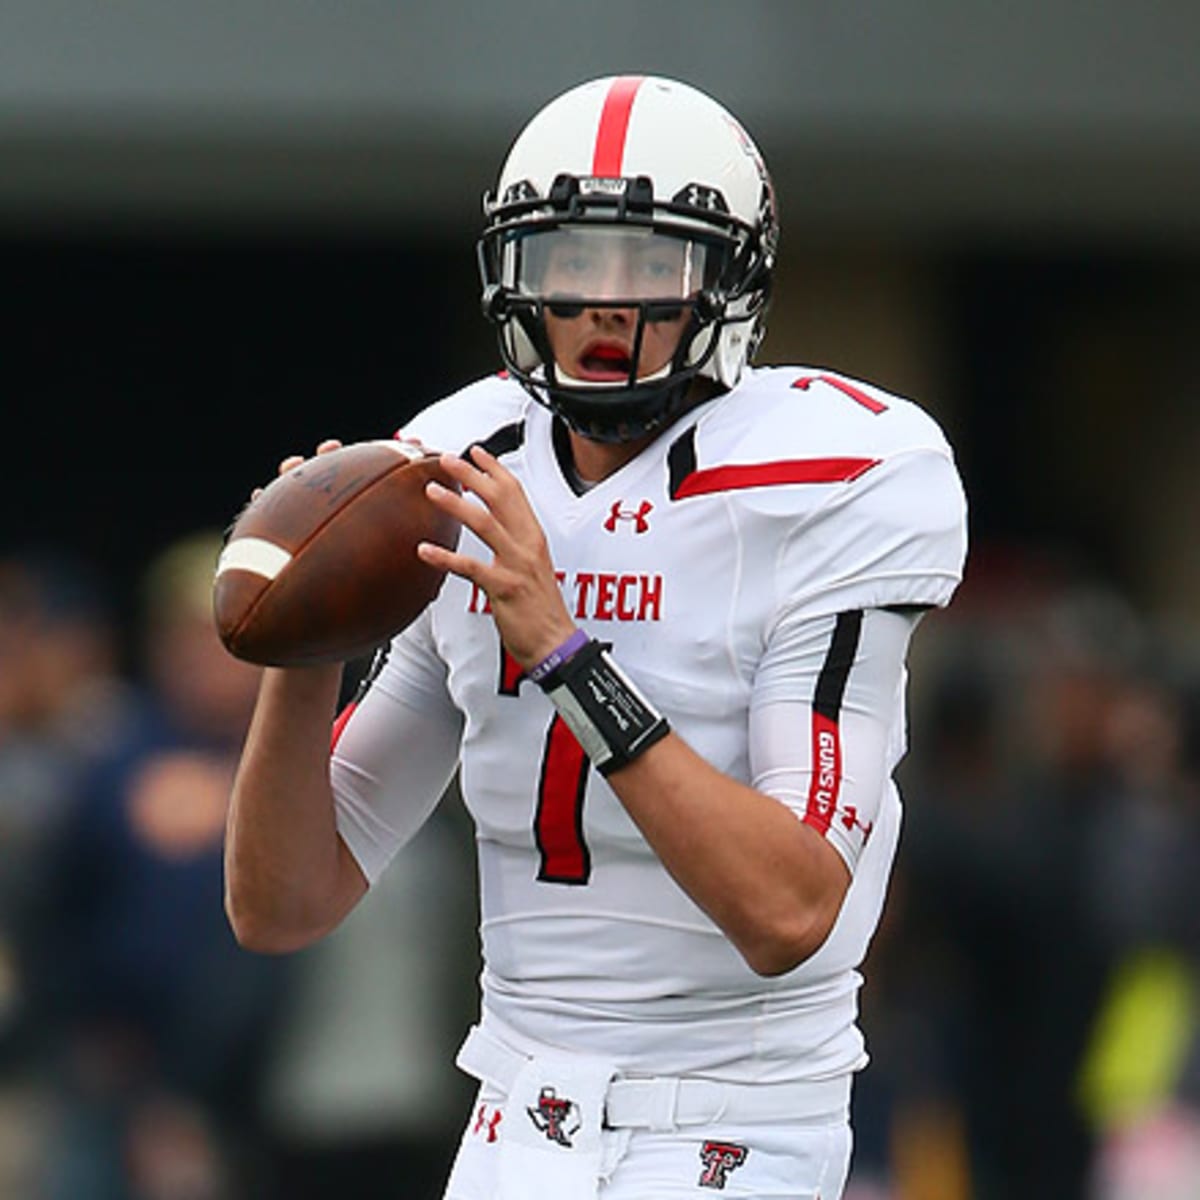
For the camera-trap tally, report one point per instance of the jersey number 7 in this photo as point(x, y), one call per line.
point(562, 788)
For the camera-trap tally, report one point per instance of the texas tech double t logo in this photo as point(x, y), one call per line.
point(556, 1116)
point(719, 1159)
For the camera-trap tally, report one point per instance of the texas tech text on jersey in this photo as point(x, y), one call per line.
point(599, 596)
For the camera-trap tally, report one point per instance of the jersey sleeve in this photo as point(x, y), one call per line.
point(827, 720)
point(395, 750)
point(844, 496)
point(893, 537)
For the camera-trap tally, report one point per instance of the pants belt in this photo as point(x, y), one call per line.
point(666, 1103)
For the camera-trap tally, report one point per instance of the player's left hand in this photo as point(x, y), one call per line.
point(520, 583)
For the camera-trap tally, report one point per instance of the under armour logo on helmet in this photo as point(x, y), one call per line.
point(636, 515)
point(700, 195)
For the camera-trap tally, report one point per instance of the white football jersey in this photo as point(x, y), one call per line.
point(740, 566)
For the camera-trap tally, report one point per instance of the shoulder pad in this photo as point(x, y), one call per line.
point(474, 413)
point(807, 412)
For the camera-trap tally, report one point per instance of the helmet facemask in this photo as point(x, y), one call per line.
point(597, 245)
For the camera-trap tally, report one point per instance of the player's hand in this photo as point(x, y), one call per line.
point(294, 460)
point(520, 583)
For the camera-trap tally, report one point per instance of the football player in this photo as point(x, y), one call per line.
point(668, 663)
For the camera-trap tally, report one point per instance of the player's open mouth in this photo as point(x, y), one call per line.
point(604, 361)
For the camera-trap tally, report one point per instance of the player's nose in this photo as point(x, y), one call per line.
point(611, 317)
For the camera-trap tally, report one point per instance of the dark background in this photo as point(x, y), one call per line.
point(153, 382)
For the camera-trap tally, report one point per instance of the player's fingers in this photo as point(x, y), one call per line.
point(468, 476)
point(478, 518)
point(463, 565)
point(485, 474)
point(488, 463)
point(499, 488)
point(503, 481)
point(501, 584)
point(294, 460)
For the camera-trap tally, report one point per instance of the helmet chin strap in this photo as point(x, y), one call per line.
point(604, 410)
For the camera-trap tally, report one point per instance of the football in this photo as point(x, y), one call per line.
point(321, 566)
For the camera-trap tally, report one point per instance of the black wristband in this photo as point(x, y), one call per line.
point(609, 717)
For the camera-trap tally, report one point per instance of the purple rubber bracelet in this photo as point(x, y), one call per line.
point(556, 658)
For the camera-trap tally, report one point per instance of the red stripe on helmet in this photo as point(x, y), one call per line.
point(614, 125)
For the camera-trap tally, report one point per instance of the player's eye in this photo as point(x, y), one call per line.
point(658, 269)
point(578, 265)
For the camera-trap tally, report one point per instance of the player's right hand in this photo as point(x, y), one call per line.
point(520, 581)
point(294, 460)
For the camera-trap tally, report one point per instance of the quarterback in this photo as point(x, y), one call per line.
point(668, 664)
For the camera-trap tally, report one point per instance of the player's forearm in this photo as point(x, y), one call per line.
point(770, 882)
point(288, 877)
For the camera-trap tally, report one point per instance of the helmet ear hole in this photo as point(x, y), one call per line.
point(732, 352)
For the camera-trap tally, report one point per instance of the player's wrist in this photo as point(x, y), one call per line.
point(609, 716)
point(559, 656)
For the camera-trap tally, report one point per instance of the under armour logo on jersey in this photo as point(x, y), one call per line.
point(636, 515)
point(556, 1116)
point(487, 1124)
point(719, 1159)
point(850, 820)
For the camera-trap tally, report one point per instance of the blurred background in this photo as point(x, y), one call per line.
point(230, 229)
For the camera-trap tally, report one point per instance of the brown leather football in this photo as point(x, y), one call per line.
point(322, 566)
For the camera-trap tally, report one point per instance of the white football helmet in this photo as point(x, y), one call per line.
point(659, 182)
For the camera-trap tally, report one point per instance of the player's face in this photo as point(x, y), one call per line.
point(599, 277)
point(597, 345)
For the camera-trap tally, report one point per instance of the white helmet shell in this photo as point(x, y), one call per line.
point(703, 172)
point(625, 126)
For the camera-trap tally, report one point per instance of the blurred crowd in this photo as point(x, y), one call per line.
point(1033, 997)
point(143, 1054)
